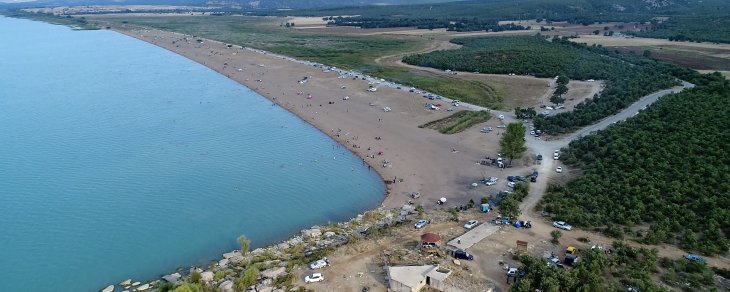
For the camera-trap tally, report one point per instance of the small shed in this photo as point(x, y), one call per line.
point(430, 241)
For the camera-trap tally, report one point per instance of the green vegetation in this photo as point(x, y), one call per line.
point(561, 88)
point(510, 207)
point(692, 275)
point(626, 267)
point(667, 167)
point(469, 91)
point(512, 144)
point(247, 279)
point(556, 234)
point(687, 19)
point(245, 244)
point(344, 51)
point(596, 271)
point(708, 27)
point(457, 122)
point(628, 76)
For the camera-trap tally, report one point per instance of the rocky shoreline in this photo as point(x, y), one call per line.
point(275, 262)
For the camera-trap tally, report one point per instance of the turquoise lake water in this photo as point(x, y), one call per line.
point(119, 159)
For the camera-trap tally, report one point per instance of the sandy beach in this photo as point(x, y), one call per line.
point(408, 158)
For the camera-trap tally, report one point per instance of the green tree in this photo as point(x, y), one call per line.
point(245, 244)
point(513, 141)
point(556, 234)
point(510, 207)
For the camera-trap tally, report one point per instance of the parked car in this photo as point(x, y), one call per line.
point(562, 225)
point(502, 126)
point(559, 169)
point(462, 255)
point(556, 155)
point(511, 184)
point(421, 223)
point(695, 258)
point(318, 264)
point(539, 157)
point(316, 277)
point(471, 224)
point(516, 178)
point(555, 261)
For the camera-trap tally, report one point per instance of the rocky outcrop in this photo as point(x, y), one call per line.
point(172, 278)
point(315, 232)
point(273, 273)
point(226, 286)
point(206, 276)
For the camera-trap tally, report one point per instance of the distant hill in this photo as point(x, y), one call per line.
point(243, 4)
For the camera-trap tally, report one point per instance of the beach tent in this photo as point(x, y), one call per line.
point(485, 208)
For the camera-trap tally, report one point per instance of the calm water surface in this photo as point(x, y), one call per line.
point(119, 159)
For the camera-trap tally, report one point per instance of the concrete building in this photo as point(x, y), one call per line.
point(414, 278)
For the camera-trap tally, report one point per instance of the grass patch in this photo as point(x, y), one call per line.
point(469, 91)
point(457, 122)
point(267, 33)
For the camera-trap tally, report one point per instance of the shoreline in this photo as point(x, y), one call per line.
point(391, 143)
point(358, 123)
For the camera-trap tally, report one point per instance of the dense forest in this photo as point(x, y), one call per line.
point(704, 28)
point(621, 269)
point(668, 166)
point(628, 77)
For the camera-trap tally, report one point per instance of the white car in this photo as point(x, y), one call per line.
point(318, 264)
point(471, 224)
point(501, 117)
point(316, 277)
point(512, 271)
point(562, 225)
point(559, 169)
point(511, 184)
point(556, 155)
point(491, 181)
point(420, 224)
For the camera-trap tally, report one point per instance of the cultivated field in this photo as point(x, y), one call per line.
point(702, 56)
